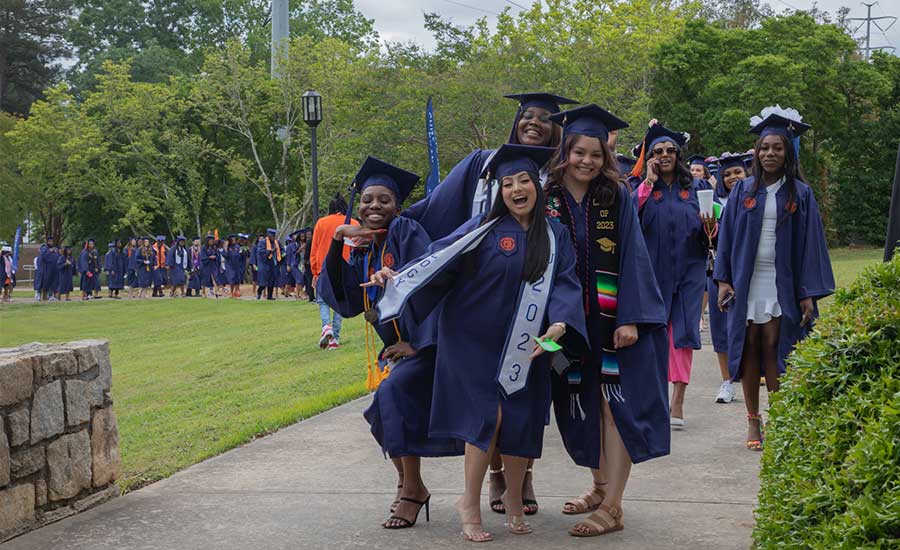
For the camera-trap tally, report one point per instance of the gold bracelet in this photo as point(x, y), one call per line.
point(560, 324)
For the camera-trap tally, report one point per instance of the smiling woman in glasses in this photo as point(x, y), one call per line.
point(677, 240)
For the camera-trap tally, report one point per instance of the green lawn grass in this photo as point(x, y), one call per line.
point(195, 377)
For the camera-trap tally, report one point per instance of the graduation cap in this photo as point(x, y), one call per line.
point(180, 238)
point(659, 133)
point(729, 160)
point(295, 233)
point(626, 164)
point(210, 237)
point(785, 122)
point(160, 237)
point(510, 159)
point(5, 248)
point(697, 159)
point(377, 172)
point(196, 238)
point(111, 244)
point(550, 102)
point(243, 235)
point(271, 231)
point(588, 120)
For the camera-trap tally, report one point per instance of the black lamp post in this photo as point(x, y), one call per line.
point(312, 115)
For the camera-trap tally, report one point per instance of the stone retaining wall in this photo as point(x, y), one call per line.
point(59, 443)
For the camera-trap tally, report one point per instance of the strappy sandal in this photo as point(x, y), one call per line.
point(397, 499)
point(405, 523)
point(530, 505)
point(756, 444)
point(587, 502)
point(479, 535)
point(518, 526)
point(605, 520)
point(497, 503)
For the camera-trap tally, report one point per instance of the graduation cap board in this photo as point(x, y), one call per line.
point(697, 159)
point(785, 122)
point(659, 134)
point(588, 120)
point(511, 159)
point(378, 172)
point(550, 102)
point(729, 160)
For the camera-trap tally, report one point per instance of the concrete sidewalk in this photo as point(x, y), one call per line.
point(323, 483)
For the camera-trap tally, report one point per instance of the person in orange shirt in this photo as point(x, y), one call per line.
point(323, 234)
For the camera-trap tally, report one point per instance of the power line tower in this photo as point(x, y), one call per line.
point(868, 21)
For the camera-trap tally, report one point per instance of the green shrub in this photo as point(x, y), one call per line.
point(831, 465)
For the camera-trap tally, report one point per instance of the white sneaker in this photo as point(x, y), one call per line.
point(726, 392)
point(327, 336)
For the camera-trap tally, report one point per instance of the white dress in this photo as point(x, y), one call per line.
point(762, 300)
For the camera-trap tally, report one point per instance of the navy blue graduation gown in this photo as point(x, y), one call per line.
point(145, 263)
point(89, 267)
point(195, 263)
point(131, 267)
point(160, 274)
point(450, 204)
point(179, 266)
point(65, 267)
point(482, 293)
point(254, 264)
point(802, 265)
point(209, 266)
point(295, 275)
point(677, 243)
point(235, 261)
point(401, 406)
point(643, 418)
point(114, 265)
point(718, 324)
point(48, 270)
point(267, 264)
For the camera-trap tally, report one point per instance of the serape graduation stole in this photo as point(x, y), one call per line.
point(598, 271)
point(377, 369)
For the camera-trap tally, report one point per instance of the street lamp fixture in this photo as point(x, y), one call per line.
point(312, 116)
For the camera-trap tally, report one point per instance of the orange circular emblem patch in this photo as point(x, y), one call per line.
point(657, 195)
point(507, 244)
point(388, 260)
point(750, 203)
point(791, 207)
point(685, 194)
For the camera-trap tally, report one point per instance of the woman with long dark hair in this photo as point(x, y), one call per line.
point(677, 240)
point(145, 258)
point(66, 267)
point(610, 404)
point(503, 280)
point(772, 264)
point(131, 266)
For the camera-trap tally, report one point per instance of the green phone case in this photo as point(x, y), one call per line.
point(548, 345)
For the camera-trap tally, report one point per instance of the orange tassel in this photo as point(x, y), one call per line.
point(639, 163)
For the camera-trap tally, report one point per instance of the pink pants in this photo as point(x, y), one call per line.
point(679, 361)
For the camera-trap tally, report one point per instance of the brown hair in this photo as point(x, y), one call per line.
point(604, 187)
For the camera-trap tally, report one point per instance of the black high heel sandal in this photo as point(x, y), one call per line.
point(405, 523)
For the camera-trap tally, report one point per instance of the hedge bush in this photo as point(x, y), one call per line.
point(831, 464)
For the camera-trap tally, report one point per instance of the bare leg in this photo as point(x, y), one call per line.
point(514, 469)
point(750, 378)
point(496, 484)
point(771, 332)
point(469, 505)
point(529, 501)
point(677, 405)
point(723, 366)
point(398, 464)
point(413, 489)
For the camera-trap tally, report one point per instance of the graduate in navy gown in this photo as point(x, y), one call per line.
point(269, 256)
point(677, 240)
point(307, 267)
point(195, 261)
point(700, 170)
point(131, 266)
point(115, 264)
point(48, 273)
point(730, 170)
point(254, 262)
point(89, 268)
point(144, 259)
point(240, 262)
point(65, 266)
point(772, 261)
point(179, 263)
point(290, 263)
point(488, 390)
point(403, 369)
point(463, 194)
point(611, 402)
point(209, 266)
point(160, 269)
point(7, 272)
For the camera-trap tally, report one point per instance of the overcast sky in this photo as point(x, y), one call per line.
point(401, 20)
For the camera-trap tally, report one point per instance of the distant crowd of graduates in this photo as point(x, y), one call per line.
point(210, 267)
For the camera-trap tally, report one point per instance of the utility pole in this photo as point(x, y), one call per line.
point(868, 21)
point(279, 34)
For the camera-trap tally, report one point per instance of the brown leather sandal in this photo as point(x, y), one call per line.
point(587, 502)
point(605, 520)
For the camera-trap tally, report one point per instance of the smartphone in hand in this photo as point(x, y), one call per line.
point(729, 299)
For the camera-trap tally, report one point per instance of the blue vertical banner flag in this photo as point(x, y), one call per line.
point(434, 175)
point(16, 244)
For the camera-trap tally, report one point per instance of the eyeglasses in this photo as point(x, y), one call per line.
point(661, 151)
